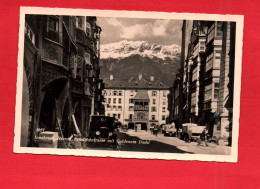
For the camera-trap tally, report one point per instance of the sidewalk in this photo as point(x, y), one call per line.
point(192, 147)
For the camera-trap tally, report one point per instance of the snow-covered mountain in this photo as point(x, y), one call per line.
point(127, 59)
point(125, 48)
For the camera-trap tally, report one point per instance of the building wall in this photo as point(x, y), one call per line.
point(51, 71)
point(208, 76)
point(161, 104)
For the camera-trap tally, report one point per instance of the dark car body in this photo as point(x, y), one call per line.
point(102, 127)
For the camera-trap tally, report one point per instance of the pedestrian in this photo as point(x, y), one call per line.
point(204, 137)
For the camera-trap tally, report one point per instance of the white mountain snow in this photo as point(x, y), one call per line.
point(125, 48)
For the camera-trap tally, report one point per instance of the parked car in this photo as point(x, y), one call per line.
point(103, 127)
point(170, 130)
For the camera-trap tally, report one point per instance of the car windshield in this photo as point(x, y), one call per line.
point(101, 121)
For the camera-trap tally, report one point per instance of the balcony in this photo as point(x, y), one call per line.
point(141, 108)
point(77, 86)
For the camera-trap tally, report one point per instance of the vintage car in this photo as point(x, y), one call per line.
point(191, 131)
point(170, 130)
point(103, 127)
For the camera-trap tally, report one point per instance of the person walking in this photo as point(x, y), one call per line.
point(204, 137)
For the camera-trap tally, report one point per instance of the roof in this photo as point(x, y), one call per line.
point(133, 83)
point(141, 95)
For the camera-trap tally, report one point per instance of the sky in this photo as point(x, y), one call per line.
point(160, 31)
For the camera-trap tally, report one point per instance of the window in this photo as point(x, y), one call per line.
point(115, 93)
point(163, 109)
point(52, 24)
point(104, 93)
point(216, 90)
point(114, 115)
point(120, 108)
point(114, 107)
point(79, 22)
point(164, 94)
point(154, 101)
point(109, 101)
point(164, 103)
point(154, 93)
point(114, 100)
point(131, 101)
point(131, 93)
point(79, 75)
point(163, 117)
point(130, 116)
point(88, 29)
point(119, 93)
point(208, 92)
point(118, 116)
point(30, 33)
point(119, 101)
point(153, 109)
point(211, 32)
point(194, 74)
point(153, 117)
point(193, 98)
point(209, 62)
point(131, 108)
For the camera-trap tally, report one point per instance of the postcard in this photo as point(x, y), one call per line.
point(128, 84)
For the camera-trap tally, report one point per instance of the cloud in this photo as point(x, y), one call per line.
point(160, 27)
point(114, 22)
point(156, 28)
point(138, 30)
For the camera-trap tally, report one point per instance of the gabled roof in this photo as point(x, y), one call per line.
point(141, 95)
point(133, 83)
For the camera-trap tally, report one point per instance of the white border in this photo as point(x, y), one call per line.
point(239, 19)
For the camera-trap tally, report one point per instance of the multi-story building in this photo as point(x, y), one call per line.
point(138, 101)
point(61, 85)
point(208, 76)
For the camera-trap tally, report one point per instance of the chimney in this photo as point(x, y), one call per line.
point(140, 77)
point(111, 77)
point(152, 78)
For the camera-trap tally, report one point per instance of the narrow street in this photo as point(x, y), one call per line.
point(143, 141)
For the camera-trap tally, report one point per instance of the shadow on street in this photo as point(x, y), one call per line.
point(153, 146)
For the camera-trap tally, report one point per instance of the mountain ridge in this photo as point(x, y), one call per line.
point(126, 59)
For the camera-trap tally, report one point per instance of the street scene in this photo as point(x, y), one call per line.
point(128, 84)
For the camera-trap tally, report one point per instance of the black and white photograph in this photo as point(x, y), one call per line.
point(128, 84)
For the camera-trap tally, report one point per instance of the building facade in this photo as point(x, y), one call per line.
point(208, 76)
point(61, 84)
point(139, 101)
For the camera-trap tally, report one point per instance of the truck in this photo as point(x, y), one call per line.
point(191, 131)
